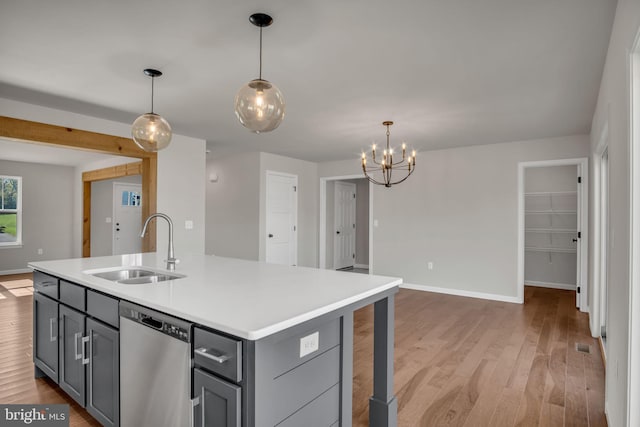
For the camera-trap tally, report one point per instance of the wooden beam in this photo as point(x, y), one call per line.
point(86, 219)
point(43, 133)
point(68, 137)
point(112, 172)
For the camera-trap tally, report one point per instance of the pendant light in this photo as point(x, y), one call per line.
point(150, 131)
point(386, 165)
point(259, 104)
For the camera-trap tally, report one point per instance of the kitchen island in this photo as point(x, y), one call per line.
point(292, 327)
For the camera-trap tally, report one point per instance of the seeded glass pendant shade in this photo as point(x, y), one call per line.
point(259, 104)
point(150, 131)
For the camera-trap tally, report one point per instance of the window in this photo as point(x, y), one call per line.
point(10, 210)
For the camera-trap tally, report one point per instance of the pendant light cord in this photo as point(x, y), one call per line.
point(152, 79)
point(260, 54)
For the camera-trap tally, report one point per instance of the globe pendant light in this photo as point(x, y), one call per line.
point(259, 104)
point(150, 131)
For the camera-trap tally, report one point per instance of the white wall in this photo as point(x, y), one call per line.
point(330, 219)
point(307, 173)
point(613, 110)
point(181, 174)
point(47, 204)
point(459, 211)
point(232, 206)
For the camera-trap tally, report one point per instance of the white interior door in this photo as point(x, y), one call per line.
point(281, 218)
point(580, 286)
point(344, 241)
point(127, 218)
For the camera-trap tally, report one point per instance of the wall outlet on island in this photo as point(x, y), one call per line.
point(429, 265)
point(309, 344)
point(40, 251)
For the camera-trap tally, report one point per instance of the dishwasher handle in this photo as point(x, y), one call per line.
point(151, 322)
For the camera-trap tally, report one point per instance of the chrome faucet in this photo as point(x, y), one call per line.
point(171, 259)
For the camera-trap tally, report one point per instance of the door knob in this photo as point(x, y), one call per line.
point(117, 229)
point(337, 232)
point(574, 240)
point(270, 235)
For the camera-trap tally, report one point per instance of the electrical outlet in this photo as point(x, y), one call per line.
point(108, 220)
point(309, 344)
point(430, 265)
point(375, 222)
point(188, 225)
point(40, 251)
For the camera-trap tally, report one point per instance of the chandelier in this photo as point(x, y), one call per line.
point(386, 165)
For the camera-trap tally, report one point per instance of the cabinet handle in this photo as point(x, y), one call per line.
point(194, 402)
point(52, 337)
point(202, 351)
point(85, 340)
point(75, 342)
point(202, 407)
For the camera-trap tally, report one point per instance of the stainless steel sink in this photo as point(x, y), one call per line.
point(136, 276)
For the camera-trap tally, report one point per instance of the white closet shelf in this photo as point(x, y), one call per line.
point(550, 193)
point(556, 250)
point(551, 212)
point(550, 230)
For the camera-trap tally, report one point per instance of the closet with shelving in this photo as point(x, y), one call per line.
point(551, 234)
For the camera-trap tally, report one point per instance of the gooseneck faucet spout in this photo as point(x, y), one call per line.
point(171, 259)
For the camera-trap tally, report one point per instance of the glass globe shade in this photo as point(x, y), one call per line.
point(151, 132)
point(259, 106)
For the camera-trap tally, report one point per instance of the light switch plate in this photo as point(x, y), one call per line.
point(309, 344)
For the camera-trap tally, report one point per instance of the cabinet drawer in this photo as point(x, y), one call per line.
point(218, 354)
point(103, 308)
point(73, 295)
point(45, 284)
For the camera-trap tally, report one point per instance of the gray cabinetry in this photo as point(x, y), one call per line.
point(74, 348)
point(45, 336)
point(219, 401)
point(72, 353)
point(103, 373)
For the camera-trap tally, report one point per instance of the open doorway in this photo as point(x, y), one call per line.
point(116, 216)
point(552, 219)
point(345, 224)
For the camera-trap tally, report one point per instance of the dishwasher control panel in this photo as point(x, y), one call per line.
point(168, 325)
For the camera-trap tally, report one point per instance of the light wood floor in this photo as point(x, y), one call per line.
point(458, 361)
point(470, 362)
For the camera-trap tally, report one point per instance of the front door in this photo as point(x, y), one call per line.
point(127, 218)
point(281, 218)
point(344, 240)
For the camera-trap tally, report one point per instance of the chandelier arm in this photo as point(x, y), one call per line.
point(403, 179)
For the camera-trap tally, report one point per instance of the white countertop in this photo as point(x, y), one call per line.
point(247, 299)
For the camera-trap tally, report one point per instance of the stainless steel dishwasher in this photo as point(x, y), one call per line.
point(155, 368)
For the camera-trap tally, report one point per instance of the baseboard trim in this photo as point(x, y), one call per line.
point(462, 293)
point(603, 354)
point(19, 271)
point(550, 285)
point(365, 266)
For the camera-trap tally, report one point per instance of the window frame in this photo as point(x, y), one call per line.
point(17, 211)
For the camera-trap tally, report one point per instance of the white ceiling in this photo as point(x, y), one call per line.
point(449, 73)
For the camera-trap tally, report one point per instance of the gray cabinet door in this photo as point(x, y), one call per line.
point(219, 401)
point(72, 349)
point(45, 335)
point(103, 371)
